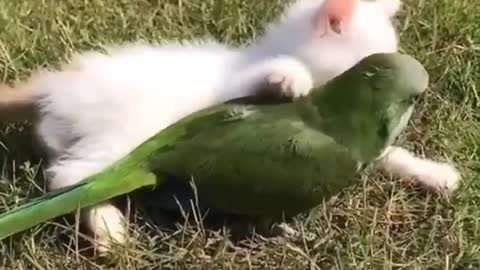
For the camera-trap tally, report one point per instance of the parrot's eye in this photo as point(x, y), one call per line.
point(410, 100)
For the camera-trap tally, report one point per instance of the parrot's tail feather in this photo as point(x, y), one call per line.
point(39, 200)
point(70, 199)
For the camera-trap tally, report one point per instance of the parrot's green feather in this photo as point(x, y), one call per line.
point(263, 160)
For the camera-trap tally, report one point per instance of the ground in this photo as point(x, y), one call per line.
point(379, 224)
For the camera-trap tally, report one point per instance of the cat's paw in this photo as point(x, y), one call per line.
point(439, 176)
point(288, 77)
point(108, 226)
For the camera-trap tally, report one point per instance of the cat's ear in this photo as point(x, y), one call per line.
point(391, 7)
point(333, 16)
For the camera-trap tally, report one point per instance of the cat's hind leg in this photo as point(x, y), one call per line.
point(105, 221)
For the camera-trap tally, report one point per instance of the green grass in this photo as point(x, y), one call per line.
point(380, 224)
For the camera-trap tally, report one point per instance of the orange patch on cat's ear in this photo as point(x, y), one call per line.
point(333, 15)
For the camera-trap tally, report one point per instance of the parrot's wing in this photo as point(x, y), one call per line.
point(69, 199)
point(259, 163)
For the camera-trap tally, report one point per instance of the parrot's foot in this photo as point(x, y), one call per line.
point(107, 224)
point(286, 231)
point(289, 77)
point(430, 174)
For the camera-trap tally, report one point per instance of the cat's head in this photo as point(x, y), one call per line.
point(330, 36)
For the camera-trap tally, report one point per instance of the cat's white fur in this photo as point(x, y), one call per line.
point(101, 106)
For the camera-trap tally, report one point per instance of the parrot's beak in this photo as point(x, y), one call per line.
point(401, 125)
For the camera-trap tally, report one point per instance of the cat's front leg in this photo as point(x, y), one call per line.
point(288, 77)
point(282, 76)
point(429, 173)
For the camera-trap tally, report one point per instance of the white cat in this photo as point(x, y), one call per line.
point(101, 106)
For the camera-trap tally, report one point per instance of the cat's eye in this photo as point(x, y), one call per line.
point(335, 24)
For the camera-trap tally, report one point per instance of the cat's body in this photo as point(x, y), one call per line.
point(99, 107)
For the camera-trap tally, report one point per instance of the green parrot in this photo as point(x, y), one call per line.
point(264, 160)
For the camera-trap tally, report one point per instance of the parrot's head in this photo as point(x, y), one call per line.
point(396, 81)
point(369, 105)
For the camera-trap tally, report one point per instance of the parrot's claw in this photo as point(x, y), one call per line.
point(286, 231)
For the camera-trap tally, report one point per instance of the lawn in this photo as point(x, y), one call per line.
point(379, 224)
